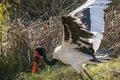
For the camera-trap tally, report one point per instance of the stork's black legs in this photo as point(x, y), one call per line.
point(81, 77)
point(87, 74)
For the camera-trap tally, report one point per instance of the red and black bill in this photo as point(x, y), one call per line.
point(36, 61)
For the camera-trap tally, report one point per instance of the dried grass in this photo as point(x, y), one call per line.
point(112, 29)
point(23, 37)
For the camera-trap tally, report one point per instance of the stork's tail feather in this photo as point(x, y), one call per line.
point(105, 58)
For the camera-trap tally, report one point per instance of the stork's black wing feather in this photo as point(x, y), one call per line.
point(85, 25)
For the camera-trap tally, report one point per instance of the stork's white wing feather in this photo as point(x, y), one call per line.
point(88, 3)
point(90, 18)
point(96, 9)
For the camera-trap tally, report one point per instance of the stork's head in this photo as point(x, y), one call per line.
point(38, 51)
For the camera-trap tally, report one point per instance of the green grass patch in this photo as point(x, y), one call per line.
point(104, 71)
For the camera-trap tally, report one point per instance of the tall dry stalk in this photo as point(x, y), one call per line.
point(112, 28)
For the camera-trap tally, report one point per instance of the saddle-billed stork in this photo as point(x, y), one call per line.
point(82, 35)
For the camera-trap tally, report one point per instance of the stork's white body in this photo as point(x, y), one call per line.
point(82, 35)
point(69, 55)
point(66, 52)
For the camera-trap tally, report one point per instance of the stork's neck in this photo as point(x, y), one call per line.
point(49, 62)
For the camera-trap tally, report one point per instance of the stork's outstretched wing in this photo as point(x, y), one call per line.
point(84, 26)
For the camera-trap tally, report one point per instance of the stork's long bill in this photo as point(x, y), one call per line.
point(37, 56)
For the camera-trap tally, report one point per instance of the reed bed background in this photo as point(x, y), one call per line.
point(37, 23)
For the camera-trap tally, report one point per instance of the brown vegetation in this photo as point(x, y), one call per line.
point(45, 29)
point(112, 29)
